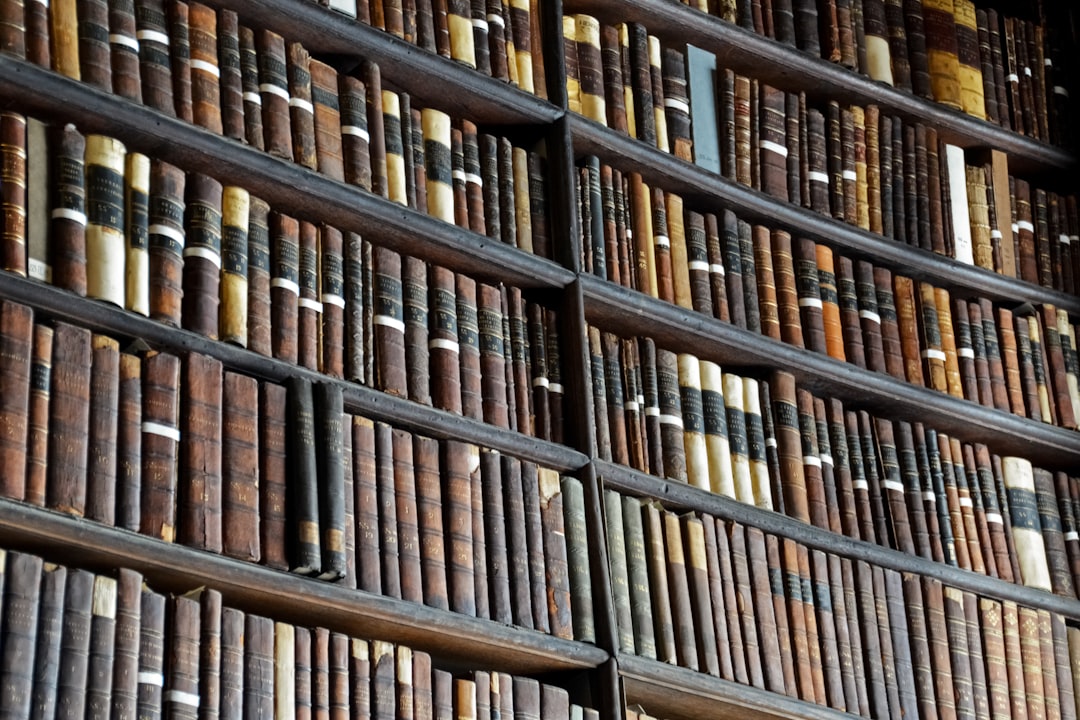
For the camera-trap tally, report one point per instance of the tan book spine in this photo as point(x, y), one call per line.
point(105, 226)
point(233, 310)
point(63, 24)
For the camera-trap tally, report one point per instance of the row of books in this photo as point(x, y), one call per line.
point(183, 450)
point(190, 252)
point(853, 163)
point(500, 38)
point(737, 603)
point(770, 444)
point(272, 95)
point(1016, 358)
point(1010, 71)
point(78, 644)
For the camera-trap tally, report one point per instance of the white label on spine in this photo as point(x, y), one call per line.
point(458, 175)
point(652, 411)
point(965, 352)
point(631, 405)
point(662, 241)
point(165, 431)
point(993, 517)
point(893, 485)
point(204, 253)
point(285, 284)
point(474, 179)
point(818, 176)
point(1015, 228)
point(151, 678)
point(1058, 90)
point(777, 148)
point(929, 496)
point(677, 104)
point(1063, 239)
point(871, 316)
point(540, 382)
point(44, 2)
point(310, 304)
point(480, 23)
point(1027, 71)
point(771, 442)
point(275, 90)
point(168, 231)
point(859, 485)
point(995, 235)
point(851, 175)
point(72, 215)
point(1012, 77)
point(933, 354)
point(443, 344)
point(392, 322)
point(1072, 535)
point(699, 265)
point(152, 36)
point(811, 460)
point(555, 388)
point(124, 41)
point(38, 270)
point(717, 269)
point(206, 67)
point(1048, 62)
point(355, 131)
point(965, 502)
point(826, 459)
point(810, 302)
point(335, 300)
point(256, 99)
point(1025, 225)
point(495, 19)
point(671, 420)
point(303, 104)
point(183, 698)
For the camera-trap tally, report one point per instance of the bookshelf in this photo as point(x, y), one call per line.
point(598, 673)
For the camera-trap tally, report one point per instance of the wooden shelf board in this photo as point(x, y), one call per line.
point(425, 75)
point(706, 191)
point(283, 596)
point(103, 317)
point(613, 309)
point(790, 69)
point(668, 691)
point(288, 187)
point(680, 496)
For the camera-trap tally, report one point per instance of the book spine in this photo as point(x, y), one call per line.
point(240, 453)
point(202, 255)
point(16, 343)
point(178, 16)
point(101, 463)
point(69, 419)
point(309, 309)
point(71, 687)
point(252, 95)
point(67, 226)
point(166, 242)
point(37, 422)
point(303, 500)
point(274, 94)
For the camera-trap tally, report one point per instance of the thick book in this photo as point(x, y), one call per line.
point(272, 473)
point(200, 489)
point(302, 498)
point(69, 419)
point(240, 454)
point(23, 600)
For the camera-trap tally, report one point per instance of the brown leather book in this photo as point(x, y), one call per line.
point(1050, 522)
point(240, 521)
point(554, 550)
point(181, 690)
point(104, 396)
point(1010, 361)
point(789, 445)
point(356, 141)
point(273, 469)
point(1065, 678)
point(744, 586)
point(231, 75)
point(430, 520)
point(202, 255)
point(366, 505)
point(274, 94)
point(49, 629)
point(590, 75)
point(13, 195)
point(331, 280)
point(166, 242)
point(492, 356)
point(767, 307)
point(618, 541)
point(177, 14)
point(301, 109)
point(23, 596)
point(777, 585)
point(948, 342)
point(16, 343)
point(69, 419)
point(284, 286)
point(249, 74)
point(469, 347)
point(383, 511)
point(830, 303)
point(258, 670)
point(803, 670)
point(1031, 661)
point(807, 282)
point(977, 385)
point(942, 52)
point(1057, 377)
point(534, 535)
point(259, 321)
point(205, 69)
point(787, 295)
point(93, 50)
point(772, 142)
point(327, 121)
point(67, 225)
point(235, 223)
point(516, 543)
point(456, 458)
point(309, 309)
point(404, 492)
point(444, 340)
point(37, 422)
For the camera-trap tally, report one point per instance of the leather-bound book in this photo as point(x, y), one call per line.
point(738, 438)
point(878, 56)
point(287, 686)
point(284, 286)
point(178, 16)
point(200, 490)
point(975, 369)
point(136, 218)
point(471, 401)
point(166, 242)
point(64, 34)
point(16, 343)
point(302, 497)
point(205, 70)
point(202, 255)
point(259, 322)
point(105, 219)
point(301, 109)
point(942, 51)
point(787, 294)
point(1041, 366)
point(385, 515)
point(231, 80)
point(67, 226)
point(274, 94)
point(258, 670)
point(71, 683)
point(389, 326)
point(69, 419)
point(309, 309)
point(947, 333)
point(918, 329)
point(366, 505)
point(760, 584)
point(1028, 381)
point(517, 544)
point(458, 520)
point(659, 592)
point(972, 98)
point(38, 187)
point(252, 95)
point(444, 340)
point(618, 569)
point(26, 597)
point(233, 309)
point(772, 142)
point(95, 67)
point(327, 118)
point(745, 607)
point(830, 303)
point(405, 512)
point(789, 445)
point(534, 534)
point(1057, 375)
point(767, 306)
point(554, 549)
point(1010, 362)
point(1027, 533)
point(37, 418)
point(589, 78)
point(104, 397)
point(1027, 262)
point(808, 285)
point(240, 452)
point(354, 132)
point(1050, 522)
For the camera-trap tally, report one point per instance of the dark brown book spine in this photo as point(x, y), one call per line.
point(231, 75)
point(365, 489)
point(210, 654)
point(469, 351)
point(67, 227)
point(302, 493)
point(37, 422)
point(258, 667)
point(46, 655)
point(309, 309)
point(240, 455)
point(554, 550)
point(181, 690)
point(274, 94)
point(273, 470)
point(284, 287)
point(102, 437)
point(23, 596)
point(408, 534)
point(202, 255)
point(69, 419)
point(71, 687)
point(200, 492)
point(458, 520)
point(205, 70)
point(259, 321)
point(166, 242)
point(16, 342)
point(301, 110)
point(252, 97)
point(125, 665)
